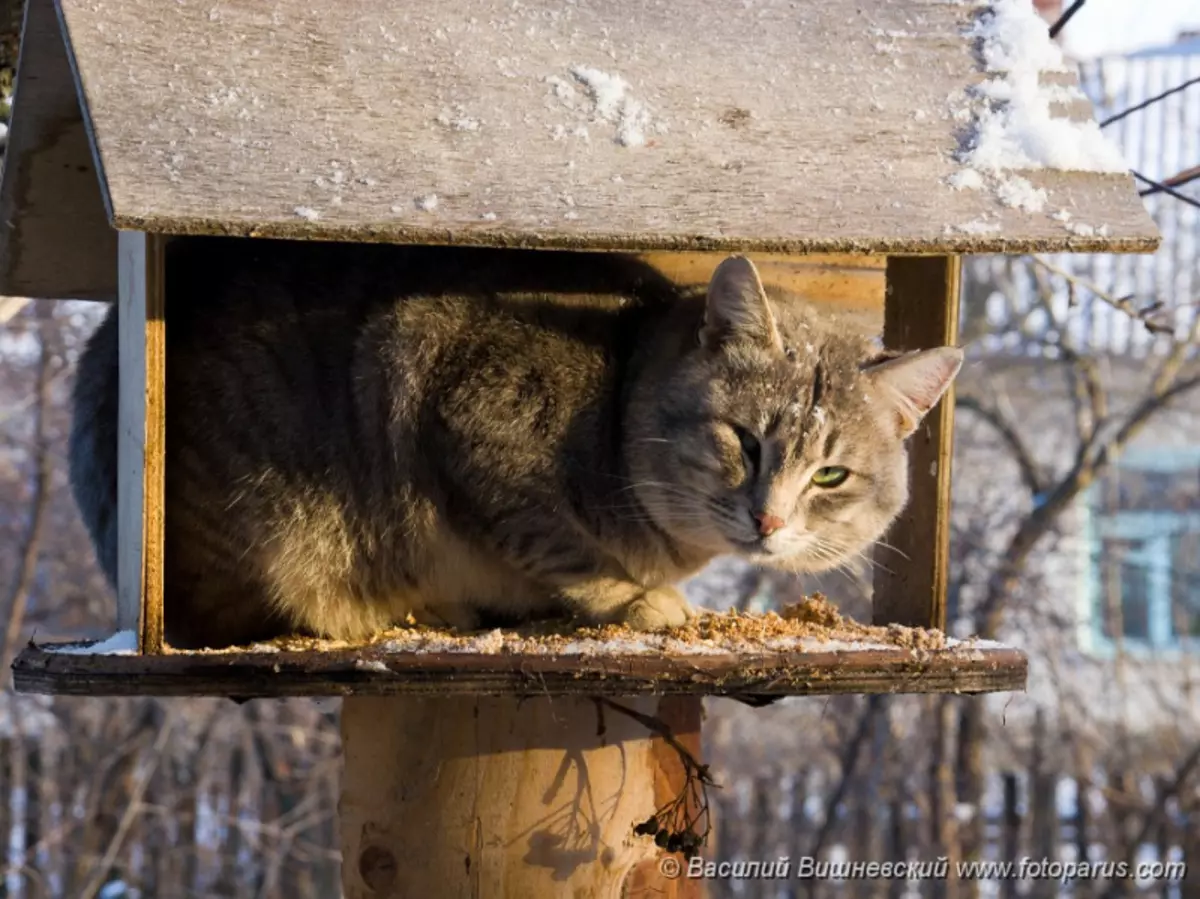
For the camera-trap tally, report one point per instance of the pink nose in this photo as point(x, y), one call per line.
point(768, 524)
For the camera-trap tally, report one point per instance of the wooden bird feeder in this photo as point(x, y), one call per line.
point(817, 136)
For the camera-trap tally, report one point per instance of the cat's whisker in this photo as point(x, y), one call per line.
point(884, 544)
point(872, 563)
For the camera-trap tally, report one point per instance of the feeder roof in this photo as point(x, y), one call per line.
point(913, 126)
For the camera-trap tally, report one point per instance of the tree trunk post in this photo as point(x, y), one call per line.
point(506, 798)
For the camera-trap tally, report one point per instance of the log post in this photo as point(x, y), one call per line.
point(507, 798)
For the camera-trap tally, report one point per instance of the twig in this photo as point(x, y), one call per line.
point(679, 833)
point(1177, 180)
point(1065, 18)
point(1007, 433)
point(1154, 816)
point(1162, 188)
point(849, 765)
point(15, 600)
point(1149, 102)
point(1121, 304)
point(658, 727)
point(132, 808)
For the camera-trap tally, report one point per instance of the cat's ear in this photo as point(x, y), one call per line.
point(912, 383)
point(737, 307)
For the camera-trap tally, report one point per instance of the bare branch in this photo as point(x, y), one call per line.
point(1065, 18)
point(1148, 102)
point(133, 806)
point(1121, 304)
point(12, 612)
point(1157, 812)
point(1176, 180)
point(874, 705)
point(1008, 433)
point(1088, 397)
point(1166, 189)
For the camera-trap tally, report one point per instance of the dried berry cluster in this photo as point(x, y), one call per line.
point(672, 827)
point(687, 841)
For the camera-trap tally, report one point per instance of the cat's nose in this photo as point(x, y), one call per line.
point(768, 524)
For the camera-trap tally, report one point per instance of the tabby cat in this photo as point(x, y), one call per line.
point(357, 434)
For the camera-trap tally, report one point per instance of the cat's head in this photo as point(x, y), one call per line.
point(777, 433)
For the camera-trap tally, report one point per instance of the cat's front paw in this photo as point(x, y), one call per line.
point(658, 610)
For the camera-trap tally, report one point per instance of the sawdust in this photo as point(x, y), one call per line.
point(813, 624)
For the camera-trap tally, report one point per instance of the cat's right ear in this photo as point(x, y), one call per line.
point(736, 308)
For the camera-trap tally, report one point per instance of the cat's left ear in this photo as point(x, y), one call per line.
point(736, 308)
point(913, 382)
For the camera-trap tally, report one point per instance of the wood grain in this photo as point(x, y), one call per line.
point(366, 672)
point(335, 121)
point(921, 311)
point(474, 798)
point(850, 285)
point(141, 440)
point(55, 242)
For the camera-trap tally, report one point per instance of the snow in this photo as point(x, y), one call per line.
point(975, 227)
point(1081, 229)
point(1014, 125)
point(1015, 191)
point(122, 643)
point(458, 121)
point(307, 213)
point(966, 179)
point(611, 102)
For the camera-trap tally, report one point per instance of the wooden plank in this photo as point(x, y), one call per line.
point(851, 285)
point(56, 242)
point(482, 123)
point(910, 579)
point(966, 668)
point(141, 439)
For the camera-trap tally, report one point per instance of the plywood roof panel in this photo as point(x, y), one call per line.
point(55, 241)
point(776, 125)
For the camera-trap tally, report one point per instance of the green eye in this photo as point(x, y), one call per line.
point(833, 476)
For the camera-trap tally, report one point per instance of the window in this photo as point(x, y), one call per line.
point(1146, 552)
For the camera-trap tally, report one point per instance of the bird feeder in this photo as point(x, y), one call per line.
point(855, 151)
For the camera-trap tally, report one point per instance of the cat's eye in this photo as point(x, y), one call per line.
point(751, 448)
point(831, 476)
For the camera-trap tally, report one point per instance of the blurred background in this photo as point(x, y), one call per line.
point(1076, 537)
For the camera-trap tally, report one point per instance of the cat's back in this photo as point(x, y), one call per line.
point(290, 357)
point(224, 286)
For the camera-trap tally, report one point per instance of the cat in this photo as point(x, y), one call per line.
point(360, 435)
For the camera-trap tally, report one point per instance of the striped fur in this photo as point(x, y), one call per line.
point(357, 434)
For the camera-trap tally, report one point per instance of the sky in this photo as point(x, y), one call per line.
point(1121, 26)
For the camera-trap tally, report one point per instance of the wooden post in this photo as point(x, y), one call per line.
point(141, 438)
point(921, 311)
point(504, 798)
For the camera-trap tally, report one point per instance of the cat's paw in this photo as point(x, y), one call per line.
point(658, 610)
